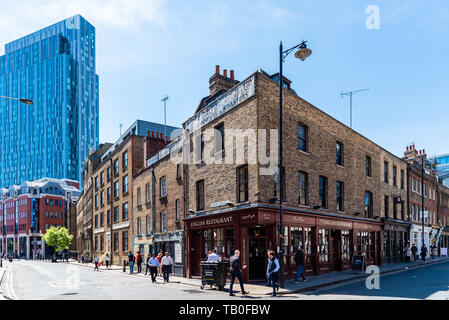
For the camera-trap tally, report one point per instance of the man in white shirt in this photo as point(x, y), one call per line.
point(166, 263)
point(213, 257)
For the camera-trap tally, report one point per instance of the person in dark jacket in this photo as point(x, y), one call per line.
point(268, 263)
point(299, 260)
point(414, 251)
point(236, 272)
point(423, 253)
point(273, 270)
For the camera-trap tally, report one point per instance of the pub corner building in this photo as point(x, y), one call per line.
point(333, 202)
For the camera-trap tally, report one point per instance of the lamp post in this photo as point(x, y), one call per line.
point(303, 53)
point(26, 101)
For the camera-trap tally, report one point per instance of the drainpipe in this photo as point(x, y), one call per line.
point(153, 205)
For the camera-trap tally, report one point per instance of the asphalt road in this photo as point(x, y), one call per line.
point(37, 280)
point(428, 282)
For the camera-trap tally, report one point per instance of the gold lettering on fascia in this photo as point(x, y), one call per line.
point(298, 219)
point(212, 221)
point(249, 216)
point(335, 223)
point(266, 216)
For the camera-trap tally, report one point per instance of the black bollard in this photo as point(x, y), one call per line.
point(124, 265)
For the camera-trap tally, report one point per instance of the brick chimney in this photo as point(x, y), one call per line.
point(153, 144)
point(410, 152)
point(218, 82)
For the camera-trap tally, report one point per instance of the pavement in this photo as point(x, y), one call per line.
point(290, 287)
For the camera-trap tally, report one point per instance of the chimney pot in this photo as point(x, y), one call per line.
point(406, 148)
point(232, 74)
point(225, 73)
point(152, 134)
point(217, 69)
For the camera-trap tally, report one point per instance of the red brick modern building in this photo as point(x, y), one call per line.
point(28, 209)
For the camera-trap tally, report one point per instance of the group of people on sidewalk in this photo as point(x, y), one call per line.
point(272, 270)
point(411, 252)
point(160, 265)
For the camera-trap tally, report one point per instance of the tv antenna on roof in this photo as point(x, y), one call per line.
point(350, 94)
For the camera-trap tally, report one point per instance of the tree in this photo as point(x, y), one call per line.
point(57, 237)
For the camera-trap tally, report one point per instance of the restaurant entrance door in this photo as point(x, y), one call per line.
point(336, 249)
point(257, 248)
point(195, 254)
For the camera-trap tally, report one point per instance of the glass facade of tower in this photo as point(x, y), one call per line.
point(54, 67)
point(442, 168)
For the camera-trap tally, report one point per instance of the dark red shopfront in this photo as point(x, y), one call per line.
point(329, 242)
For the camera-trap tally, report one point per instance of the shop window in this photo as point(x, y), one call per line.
point(285, 242)
point(345, 245)
point(230, 242)
point(219, 240)
point(323, 245)
point(296, 234)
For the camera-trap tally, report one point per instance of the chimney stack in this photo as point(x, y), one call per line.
point(219, 81)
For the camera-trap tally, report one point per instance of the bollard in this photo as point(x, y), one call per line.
point(124, 265)
point(1, 263)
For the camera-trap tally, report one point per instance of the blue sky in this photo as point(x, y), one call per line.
point(147, 49)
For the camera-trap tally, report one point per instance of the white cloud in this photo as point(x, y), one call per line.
point(19, 18)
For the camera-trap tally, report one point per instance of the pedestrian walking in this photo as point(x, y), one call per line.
point(139, 262)
point(131, 260)
point(236, 272)
point(154, 265)
point(268, 263)
point(147, 266)
point(299, 260)
point(423, 253)
point(408, 250)
point(96, 260)
point(167, 263)
point(414, 251)
point(273, 269)
point(107, 258)
point(213, 257)
point(159, 269)
point(433, 251)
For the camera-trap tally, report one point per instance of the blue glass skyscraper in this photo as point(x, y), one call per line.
point(54, 67)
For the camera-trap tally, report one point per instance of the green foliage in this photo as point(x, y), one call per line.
point(57, 237)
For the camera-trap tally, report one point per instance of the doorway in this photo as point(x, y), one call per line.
point(336, 249)
point(257, 248)
point(195, 252)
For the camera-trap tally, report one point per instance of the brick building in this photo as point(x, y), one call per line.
point(84, 205)
point(29, 209)
point(158, 207)
point(112, 185)
point(436, 201)
point(335, 187)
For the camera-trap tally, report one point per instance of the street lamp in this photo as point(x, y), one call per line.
point(302, 53)
point(26, 101)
